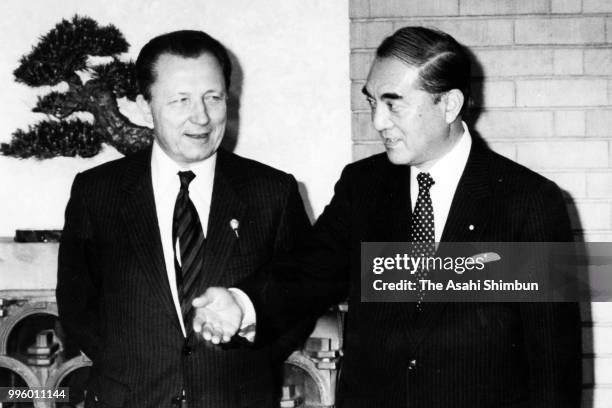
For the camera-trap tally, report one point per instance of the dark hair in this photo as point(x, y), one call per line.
point(442, 62)
point(183, 43)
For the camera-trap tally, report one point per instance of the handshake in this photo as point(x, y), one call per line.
point(219, 314)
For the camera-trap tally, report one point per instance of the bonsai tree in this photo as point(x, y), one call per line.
point(61, 56)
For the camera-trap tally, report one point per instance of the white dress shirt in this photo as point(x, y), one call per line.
point(166, 185)
point(446, 172)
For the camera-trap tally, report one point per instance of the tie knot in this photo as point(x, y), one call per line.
point(425, 181)
point(185, 177)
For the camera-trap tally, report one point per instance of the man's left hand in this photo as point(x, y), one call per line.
point(218, 315)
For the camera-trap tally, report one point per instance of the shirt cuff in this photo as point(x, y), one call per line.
point(247, 328)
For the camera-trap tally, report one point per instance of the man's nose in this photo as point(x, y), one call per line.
point(380, 118)
point(199, 114)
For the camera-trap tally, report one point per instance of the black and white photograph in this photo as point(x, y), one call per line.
point(315, 204)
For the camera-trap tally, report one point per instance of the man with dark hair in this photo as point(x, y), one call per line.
point(434, 184)
point(146, 234)
point(185, 43)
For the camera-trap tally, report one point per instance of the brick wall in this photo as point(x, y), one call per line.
point(543, 85)
point(543, 91)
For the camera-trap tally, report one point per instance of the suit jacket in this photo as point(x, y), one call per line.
point(114, 298)
point(450, 354)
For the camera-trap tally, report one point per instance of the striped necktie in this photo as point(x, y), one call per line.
point(188, 238)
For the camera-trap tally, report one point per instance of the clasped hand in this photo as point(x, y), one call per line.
point(218, 315)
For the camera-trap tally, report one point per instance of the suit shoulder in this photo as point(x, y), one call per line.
point(115, 167)
point(515, 177)
point(109, 176)
point(258, 183)
point(254, 170)
point(370, 165)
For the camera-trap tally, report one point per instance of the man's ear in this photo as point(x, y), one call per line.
point(453, 102)
point(145, 108)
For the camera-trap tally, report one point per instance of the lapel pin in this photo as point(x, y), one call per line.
point(471, 227)
point(234, 224)
point(485, 257)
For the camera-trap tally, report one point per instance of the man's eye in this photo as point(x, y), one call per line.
point(391, 106)
point(180, 101)
point(213, 99)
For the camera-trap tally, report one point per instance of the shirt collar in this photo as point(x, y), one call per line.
point(451, 165)
point(164, 170)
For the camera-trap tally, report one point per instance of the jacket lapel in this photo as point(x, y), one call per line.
point(391, 213)
point(226, 205)
point(389, 221)
point(140, 219)
point(469, 213)
point(401, 203)
point(467, 218)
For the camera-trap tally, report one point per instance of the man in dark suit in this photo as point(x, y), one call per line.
point(147, 233)
point(433, 184)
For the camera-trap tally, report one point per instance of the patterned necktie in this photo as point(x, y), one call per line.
point(422, 228)
point(188, 234)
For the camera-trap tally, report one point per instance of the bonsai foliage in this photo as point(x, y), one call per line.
point(61, 56)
